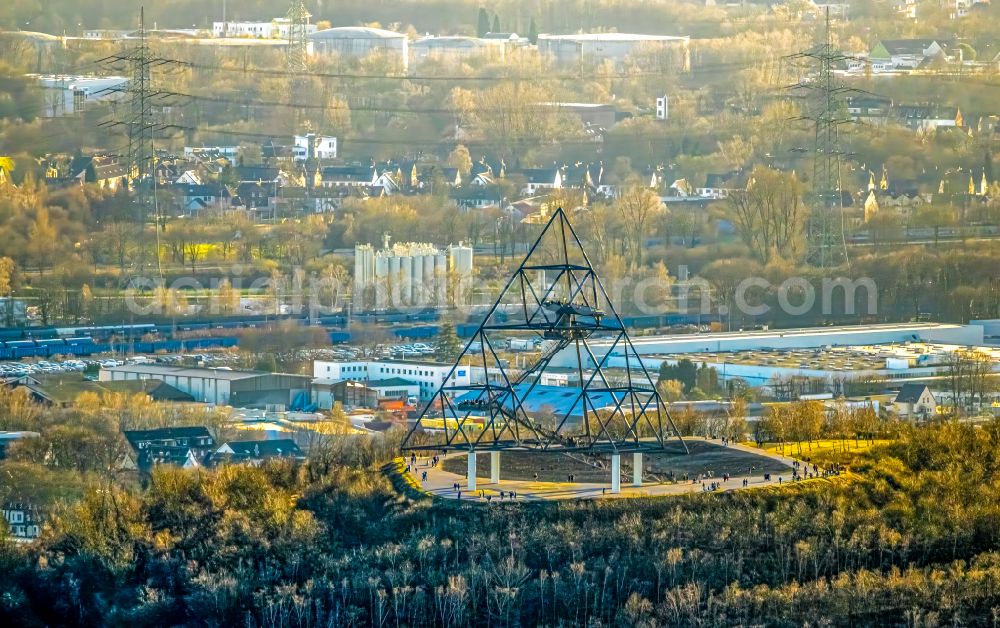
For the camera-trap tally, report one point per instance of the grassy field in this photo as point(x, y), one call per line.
point(554, 467)
point(824, 451)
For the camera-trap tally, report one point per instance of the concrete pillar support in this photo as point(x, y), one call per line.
point(637, 469)
point(494, 467)
point(472, 471)
point(616, 473)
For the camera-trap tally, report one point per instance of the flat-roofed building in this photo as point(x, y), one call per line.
point(428, 377)
point(219, 386)
point(802, 338)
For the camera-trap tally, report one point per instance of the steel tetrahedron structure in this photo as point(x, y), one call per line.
point(556, 299)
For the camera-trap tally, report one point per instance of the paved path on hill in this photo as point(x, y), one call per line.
point(441, 483)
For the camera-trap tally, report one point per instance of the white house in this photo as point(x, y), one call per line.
point(322, 146)
point(537, 179)
point(904, 54)
point(23, 521)
point(915, 401)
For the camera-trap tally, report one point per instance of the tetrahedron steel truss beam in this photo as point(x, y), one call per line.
point(555, 296)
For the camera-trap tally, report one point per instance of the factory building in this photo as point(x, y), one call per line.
point(592, 49)
point(409, 273)
point(805, 338)
point(219, 386)
point(410, 375)
point(891, 363)
point(454, 49)
point(71, 95)
point(278, 28)
point(361, 41)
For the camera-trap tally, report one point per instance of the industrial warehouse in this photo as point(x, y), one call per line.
point(219, 386)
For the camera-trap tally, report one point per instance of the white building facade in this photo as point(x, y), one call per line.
point(321, 147)
point(427, 376)
point(278, 28)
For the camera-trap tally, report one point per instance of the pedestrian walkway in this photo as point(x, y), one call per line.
point(443, 483)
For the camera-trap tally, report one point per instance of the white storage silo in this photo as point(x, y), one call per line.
point(395, 281)
point(417, 280)
point(406, 278)
point(441, 278)
point(461, 259)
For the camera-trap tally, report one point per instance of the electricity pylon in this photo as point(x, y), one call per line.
point(139, 118)
point(824, 109)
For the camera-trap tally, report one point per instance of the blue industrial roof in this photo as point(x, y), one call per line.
point(560, 400)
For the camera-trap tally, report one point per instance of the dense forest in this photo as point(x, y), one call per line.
point(908, 537)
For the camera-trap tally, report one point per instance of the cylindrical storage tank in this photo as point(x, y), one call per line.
point(406, 277)
point(441, 278)
point(461, 259)
point(394, 281)
point(429, 261)
point(417, 279)
point(381, 280)
point(381, 267)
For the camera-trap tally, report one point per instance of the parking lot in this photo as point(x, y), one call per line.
point(9, 369)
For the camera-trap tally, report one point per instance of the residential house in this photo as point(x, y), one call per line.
point(24, 521)
point(256, 199)
point(255, 452)
point(106, 171)
point(485, 173)
point(588, 177)
point(540, 179)
point(915, 401)
point(388, 181)
point(928, 117)
point(870, 110)
point(194, 199)
point(266, 174)
point(904, 54)
point(349, 176)
point(477, 196)
point(312, 146)
point(319, 200)
point(428, 175)
point(189, 177)
point(185, 447)
point(720, 185)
